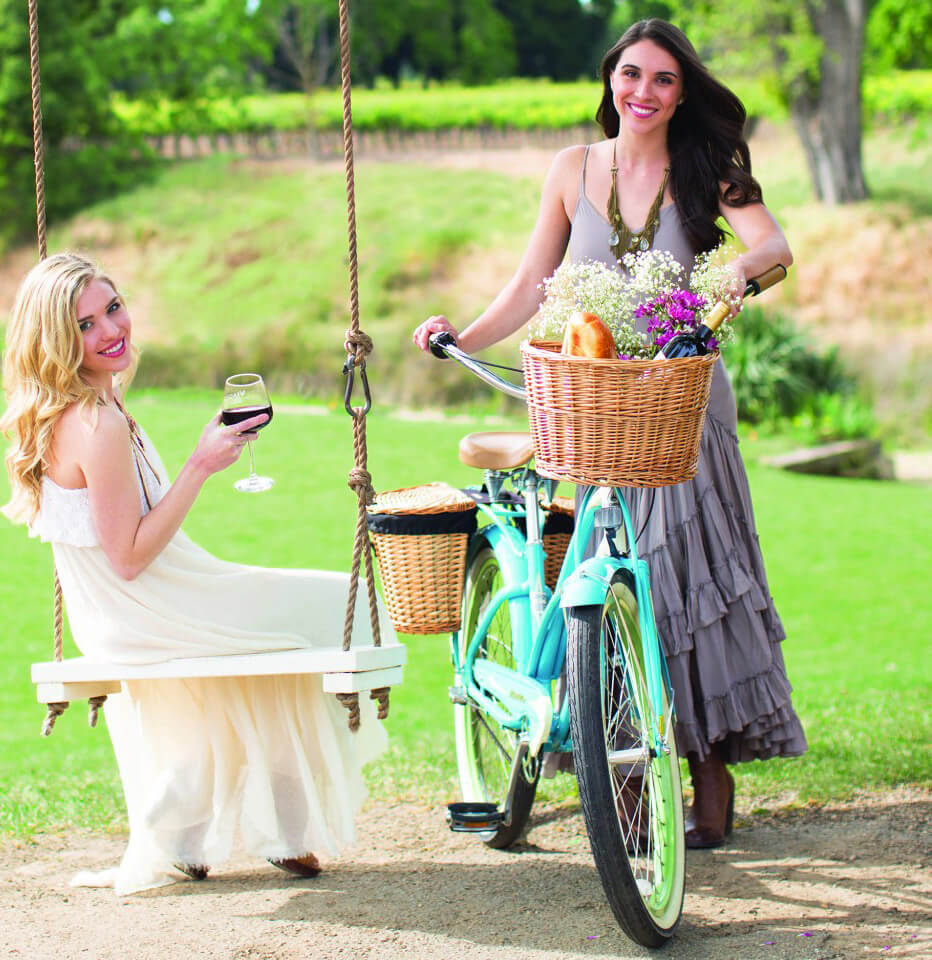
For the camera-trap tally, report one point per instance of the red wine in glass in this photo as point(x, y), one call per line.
point(245, 396)
point(239, 414)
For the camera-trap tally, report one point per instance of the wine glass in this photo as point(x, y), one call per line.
point(245, 396)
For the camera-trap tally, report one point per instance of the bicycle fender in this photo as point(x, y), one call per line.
point(587, 585)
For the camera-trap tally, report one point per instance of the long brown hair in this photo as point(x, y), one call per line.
point(709, 157)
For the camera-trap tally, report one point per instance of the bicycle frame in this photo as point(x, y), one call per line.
point(524, 699)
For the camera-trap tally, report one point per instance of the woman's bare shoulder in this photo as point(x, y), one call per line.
point(569, 160)
point(81, 428)
point(564, 177)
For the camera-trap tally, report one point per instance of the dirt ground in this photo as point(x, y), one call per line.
point(846, 881)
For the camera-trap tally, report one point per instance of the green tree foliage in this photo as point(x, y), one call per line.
point(813, 52)
point(560, 39)
point(486, 48)
point(75, 107)
point(626, 12)
point(473, 41)
point(465, 40)
point(307, 53)
point(899, 35)
point(185, 49)
point(155, 49)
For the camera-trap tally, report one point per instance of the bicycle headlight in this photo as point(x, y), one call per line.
point(608, 518)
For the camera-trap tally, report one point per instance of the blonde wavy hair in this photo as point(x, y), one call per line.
point(41, 371)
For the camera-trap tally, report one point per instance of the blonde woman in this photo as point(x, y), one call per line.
point(269, 759)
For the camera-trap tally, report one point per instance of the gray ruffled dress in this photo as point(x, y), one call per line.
point(714, 612)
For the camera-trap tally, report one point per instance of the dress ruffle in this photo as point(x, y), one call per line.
point(717, 620)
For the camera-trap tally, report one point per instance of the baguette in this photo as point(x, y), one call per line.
point(587, 336)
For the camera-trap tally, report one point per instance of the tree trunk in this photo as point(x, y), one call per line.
point(827, 114)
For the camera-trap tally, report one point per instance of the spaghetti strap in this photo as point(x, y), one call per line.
point(582, 179)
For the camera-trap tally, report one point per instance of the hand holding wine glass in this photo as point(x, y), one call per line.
point(244, 397)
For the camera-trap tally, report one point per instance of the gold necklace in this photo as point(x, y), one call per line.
point(622, 240)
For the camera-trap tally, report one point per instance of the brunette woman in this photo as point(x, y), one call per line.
point(674, 160)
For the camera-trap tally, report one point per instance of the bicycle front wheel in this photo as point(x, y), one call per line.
point(629, 778)
point(484, 748)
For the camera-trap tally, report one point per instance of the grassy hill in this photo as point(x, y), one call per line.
point(230, 264)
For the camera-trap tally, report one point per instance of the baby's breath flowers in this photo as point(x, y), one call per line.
point(651, 290)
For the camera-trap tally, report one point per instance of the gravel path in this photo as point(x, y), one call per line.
point(847, 881)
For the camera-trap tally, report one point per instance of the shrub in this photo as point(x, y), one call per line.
point(777, 373)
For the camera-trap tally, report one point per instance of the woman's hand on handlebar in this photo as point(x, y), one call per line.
point(431, 325)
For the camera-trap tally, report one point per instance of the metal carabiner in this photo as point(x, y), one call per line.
point(348, 371)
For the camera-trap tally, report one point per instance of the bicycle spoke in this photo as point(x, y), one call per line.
point(628, 779)
point(628, 748)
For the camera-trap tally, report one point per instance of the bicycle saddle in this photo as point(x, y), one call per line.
point(496, 451)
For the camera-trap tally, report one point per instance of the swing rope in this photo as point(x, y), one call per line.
point(358, 346)
point(54, 710)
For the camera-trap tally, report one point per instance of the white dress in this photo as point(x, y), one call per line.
point(268, 758)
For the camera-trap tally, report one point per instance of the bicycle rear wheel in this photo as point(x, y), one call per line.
point(484, 748)
point(629, 784)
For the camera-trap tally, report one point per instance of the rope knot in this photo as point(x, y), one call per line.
point(53, 712)
point(358, 345)
point(351, 702)
point(93, 705)
point(360, 480)
point(380, 694)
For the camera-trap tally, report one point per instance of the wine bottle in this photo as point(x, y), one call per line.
point(696, 343)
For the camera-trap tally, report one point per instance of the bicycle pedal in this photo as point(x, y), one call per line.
point(474, 817)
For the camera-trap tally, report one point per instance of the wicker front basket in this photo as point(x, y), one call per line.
point(615, 422)
point(420, 536)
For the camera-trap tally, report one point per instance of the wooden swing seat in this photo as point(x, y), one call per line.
point(344, 671)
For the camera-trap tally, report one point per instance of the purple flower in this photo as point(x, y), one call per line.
point(671, 313)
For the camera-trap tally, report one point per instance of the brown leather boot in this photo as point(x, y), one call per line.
point(713, 803)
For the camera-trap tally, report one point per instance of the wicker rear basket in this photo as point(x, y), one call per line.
point(557, 532)
point(615, 422)
point(420, 535)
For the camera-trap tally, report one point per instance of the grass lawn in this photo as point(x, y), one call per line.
point(847, 561)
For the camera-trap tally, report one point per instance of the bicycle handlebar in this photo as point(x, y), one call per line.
point(443, 345)
point(764, 281)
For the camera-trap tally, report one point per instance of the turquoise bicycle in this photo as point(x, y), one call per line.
point(521, 645)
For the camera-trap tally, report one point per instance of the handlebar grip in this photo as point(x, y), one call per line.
point(437, 341)
point(767, 279)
